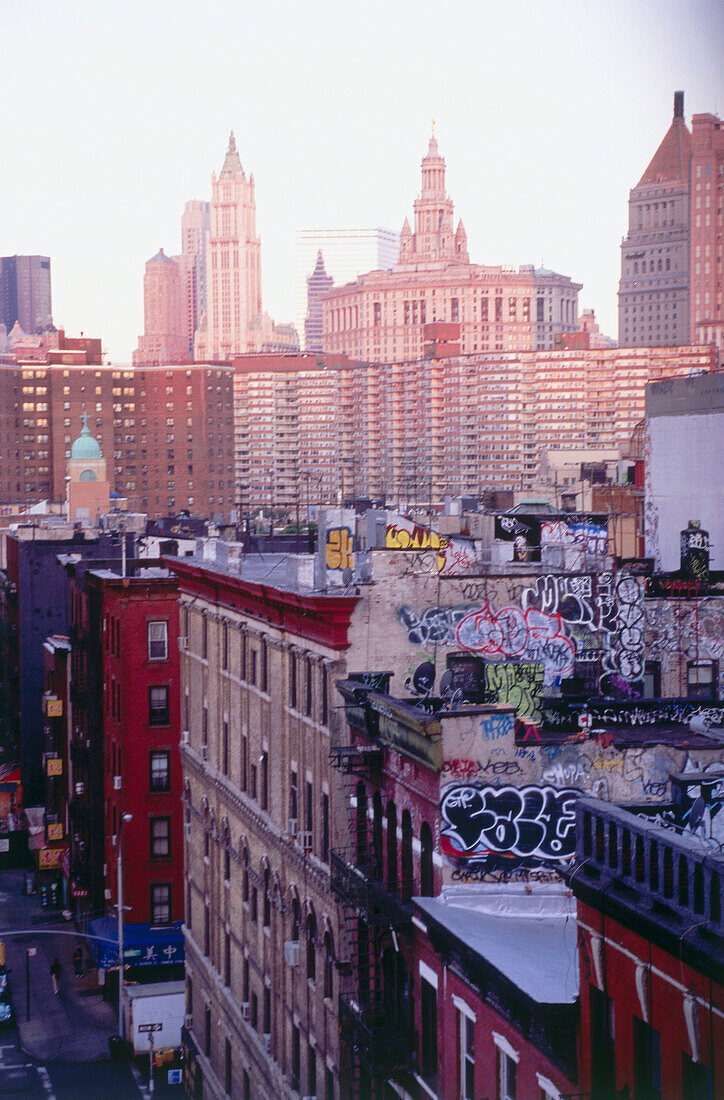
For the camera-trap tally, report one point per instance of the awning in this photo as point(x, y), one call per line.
point(143, 945)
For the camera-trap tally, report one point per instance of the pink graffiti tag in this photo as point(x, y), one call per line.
point(532, 634)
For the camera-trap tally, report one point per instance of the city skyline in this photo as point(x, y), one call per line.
point(545, 120)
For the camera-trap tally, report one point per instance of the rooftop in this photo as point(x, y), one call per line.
point(529, 939)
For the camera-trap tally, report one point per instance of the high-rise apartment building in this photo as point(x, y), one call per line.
point(165, 337)
point(707, 223)
point(347, 254)
point(233, 263)
point(381, 316)
point(319, 283)
point(653, 296)
point(25, 293)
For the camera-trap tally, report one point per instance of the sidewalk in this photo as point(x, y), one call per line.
point(75, 1024)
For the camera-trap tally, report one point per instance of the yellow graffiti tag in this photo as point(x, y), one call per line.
point(339, 551)
point(420, 538)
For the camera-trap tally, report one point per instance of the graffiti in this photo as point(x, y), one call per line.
point(519, 686)
point(492, 825)
point(339, 550)
point(517, 874)
point(473, 769)
point(452, 557)
point(662, 711)
point(589, 538)
point(534, 635)
point(435, 626)
point(495, 726)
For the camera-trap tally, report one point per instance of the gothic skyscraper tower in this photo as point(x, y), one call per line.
point(233, 294)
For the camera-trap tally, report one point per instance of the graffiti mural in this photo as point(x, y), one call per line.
point(519, 686)
point(433, 626)
point(453, 557)
point(504, 827)
point(531, 635)
point(588, 537)
point(339, 549)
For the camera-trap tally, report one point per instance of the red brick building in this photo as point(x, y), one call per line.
point(141, 768)
point(650, 942)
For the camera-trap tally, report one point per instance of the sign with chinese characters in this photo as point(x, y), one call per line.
point(54, 708)
point(54, 765)
point(49, 858)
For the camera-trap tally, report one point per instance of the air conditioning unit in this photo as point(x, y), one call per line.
point(292, 826)
point(183, 641)
point(114, 838)
point(184, 737)
point(291, 952)
point(245, 1011)
point(266, 1039)
point(105, 869)
point(306, 841)
point(188, 1021)
point(80, 788)
point(116, 782)
point(107, 895)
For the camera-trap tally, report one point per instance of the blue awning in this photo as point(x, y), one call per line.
point(143, 944)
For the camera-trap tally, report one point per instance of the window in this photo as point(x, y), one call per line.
point(264, 666)
point(158, 712)
point(204, 637)
point(296, 1059)
point(308, 689)
point(426, 862)
point(701, 682)
point(225, 748)
point(602, 1045)
point(264, 780)
point(160, 903)
point(325, 827)
point(652, 680)
point(466, 1036)
point(267, 899)
point(160, 778)
point(160, 837)
point(647, 1062)
point(252, 669)
point(227, 1072)
point(697, 1080)
point(266, 1011)
point(325, 702)
point(311, 1071)
point(207, 1031)
point(311, 947)
point(428, 999)
point(227, 959)
point(308, 807)
point(328, 966)
point(158, 641)
point(225, 645)
point(293, 680)
point(293, 799)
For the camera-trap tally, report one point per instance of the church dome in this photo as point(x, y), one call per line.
point(85, 446)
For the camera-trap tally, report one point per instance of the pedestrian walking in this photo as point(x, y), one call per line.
point(55, 972)
point(78, 961)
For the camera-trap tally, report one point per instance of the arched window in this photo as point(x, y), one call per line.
point(245, 887)
point(267, 898)
point(311, 949)
point(377, 844)
point(295, 919)
point(361, 825)
point(407, 876)
point(328, 966)
point(426, 873)
point(391, 846)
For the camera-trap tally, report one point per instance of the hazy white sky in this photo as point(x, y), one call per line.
point(115, 113)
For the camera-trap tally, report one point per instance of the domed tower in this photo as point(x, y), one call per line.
point(89, 491)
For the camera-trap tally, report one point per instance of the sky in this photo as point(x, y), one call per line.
point(547, 112)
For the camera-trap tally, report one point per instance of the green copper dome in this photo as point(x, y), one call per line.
point(85, 445)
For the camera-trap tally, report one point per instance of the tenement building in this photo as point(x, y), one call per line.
point(353, 875)
point(381, 316)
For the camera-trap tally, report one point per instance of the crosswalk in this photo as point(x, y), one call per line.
point(18, 1076)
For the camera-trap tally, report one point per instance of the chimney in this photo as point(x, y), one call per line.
point(678, 104)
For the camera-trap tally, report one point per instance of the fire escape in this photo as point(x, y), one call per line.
point(375, 1012)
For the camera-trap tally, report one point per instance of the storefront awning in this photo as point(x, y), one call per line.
point(143, 945)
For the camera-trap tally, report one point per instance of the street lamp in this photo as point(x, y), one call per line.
point(124, 818)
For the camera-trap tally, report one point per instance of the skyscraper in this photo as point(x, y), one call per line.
point(381, 316)
point(192, 262)
point(318, 283)
point(707, 222)
point(233, 263)
point(164, 339)
point(348, 253)
point(653, 294)
point(25, 293)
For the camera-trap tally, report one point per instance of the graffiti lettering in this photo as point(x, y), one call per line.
point(472, 769)
point(520, 686)
point(519, 823)
point(339, 551)
point(510, 632)
point(435, 626)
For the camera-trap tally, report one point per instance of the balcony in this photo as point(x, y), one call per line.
point(371, 900)
point(375, 1040)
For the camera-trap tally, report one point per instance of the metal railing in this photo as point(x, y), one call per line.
point(371, 899)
